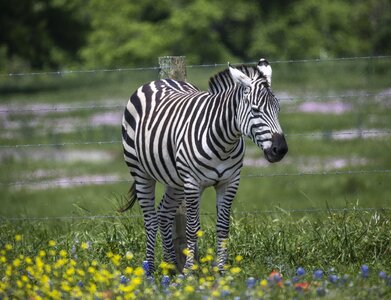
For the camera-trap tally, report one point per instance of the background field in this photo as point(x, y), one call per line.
point(327, 204)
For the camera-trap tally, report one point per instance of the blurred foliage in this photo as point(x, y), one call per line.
point(101, 33)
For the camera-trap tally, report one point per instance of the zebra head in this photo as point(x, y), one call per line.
point(258, 108)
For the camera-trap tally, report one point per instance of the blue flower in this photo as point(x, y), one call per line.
point(165, 281)
point(300, 271)
point(250, 282)
point(364, 271)
point(145, 266)
point(123, 279)
point(333, 278)
point(382, 275)
point(318, 275)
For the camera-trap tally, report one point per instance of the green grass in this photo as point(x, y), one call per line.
point(268, 229)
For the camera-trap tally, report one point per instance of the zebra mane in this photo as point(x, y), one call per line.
point(224, 81)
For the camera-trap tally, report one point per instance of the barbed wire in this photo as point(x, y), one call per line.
point(234, 213)
point(117, 106)
point(215, 65)
point(327, 134)
point(258, 175)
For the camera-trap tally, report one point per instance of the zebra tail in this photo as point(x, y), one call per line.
point(131, 201)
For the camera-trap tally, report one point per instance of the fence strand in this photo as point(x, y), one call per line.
point(255, 175)
point(20, 110)
point(234, 213)
point(215, 65)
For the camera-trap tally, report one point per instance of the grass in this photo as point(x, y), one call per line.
point(279, 222)
point(338, 243)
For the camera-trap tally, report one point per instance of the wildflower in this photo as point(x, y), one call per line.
point(333, 278)
point(194, 267)
point(42, 253)
point(189, 289)
point(8, 247)
point(165, 281)
point(3, 259)
point(63, 253)
point(300, 271)
point(16, 262)
point(364, 271)
point(139, 271)
point(250, 282)
point(318, 275)
point(129, 255)
point(145, 265)
point(84, 246)
point(382, 275)
point(52, 243)
point(238, 258)
point(216, 293)
point(18, 238)
point(302, 286)
point(186, 252)
point(235, 270)
point(263, 283)
point(123, 280)
point(128, 270)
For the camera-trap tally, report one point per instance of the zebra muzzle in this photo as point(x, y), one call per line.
point(278, 148)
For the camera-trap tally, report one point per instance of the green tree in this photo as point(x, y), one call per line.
point(41, 33)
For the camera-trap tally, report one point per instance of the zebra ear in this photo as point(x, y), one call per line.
point(239, 77)
point(266, 70)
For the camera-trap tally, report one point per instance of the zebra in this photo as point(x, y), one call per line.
point(188, 139)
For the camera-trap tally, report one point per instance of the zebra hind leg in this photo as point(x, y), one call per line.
point(145, 192)
point(166, 212)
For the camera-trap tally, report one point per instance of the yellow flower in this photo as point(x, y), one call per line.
point(216, 294)
point(194, 267)
point(19, 284)
point(3, 259)
point(84, 246)
point(28, 260)
point(200, 233)
point(16, 262)
point(42, 253)
point(24, 278)
point(52, 243)
point(129, 255)
point(186, 252)
point(139, 271)
point(128, 270)
point(235, 270)
point(52, 252)
point(189, 289)
point(8, 247)
point(18, 238)
point(263, 283)
point(238, 258)
point(63, 253)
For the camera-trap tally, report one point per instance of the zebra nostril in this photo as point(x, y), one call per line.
point(274, 150)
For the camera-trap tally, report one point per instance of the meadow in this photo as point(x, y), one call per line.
point(315, 225)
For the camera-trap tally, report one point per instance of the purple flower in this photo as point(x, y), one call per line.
point(145, 265)
point(364, 271)
point(318, 275)
point(165, 281)
point(250, 282)
point(333, 278)
point(300, 271)
point(382, 275)
point(123, 280)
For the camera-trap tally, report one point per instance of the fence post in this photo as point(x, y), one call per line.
point(174, 67)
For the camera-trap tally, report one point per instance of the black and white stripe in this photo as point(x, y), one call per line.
point(189, 139)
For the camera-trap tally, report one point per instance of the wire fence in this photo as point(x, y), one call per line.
point(204, 214)
point(110, 180)
point(215, 65)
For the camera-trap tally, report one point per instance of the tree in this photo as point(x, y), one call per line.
point(41, 33)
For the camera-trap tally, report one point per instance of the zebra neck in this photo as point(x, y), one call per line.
point(224, 131)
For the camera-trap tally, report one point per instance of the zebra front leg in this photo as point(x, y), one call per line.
point(225, 193)
point(145, 191)
point(192, 197)
point(166, 212)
